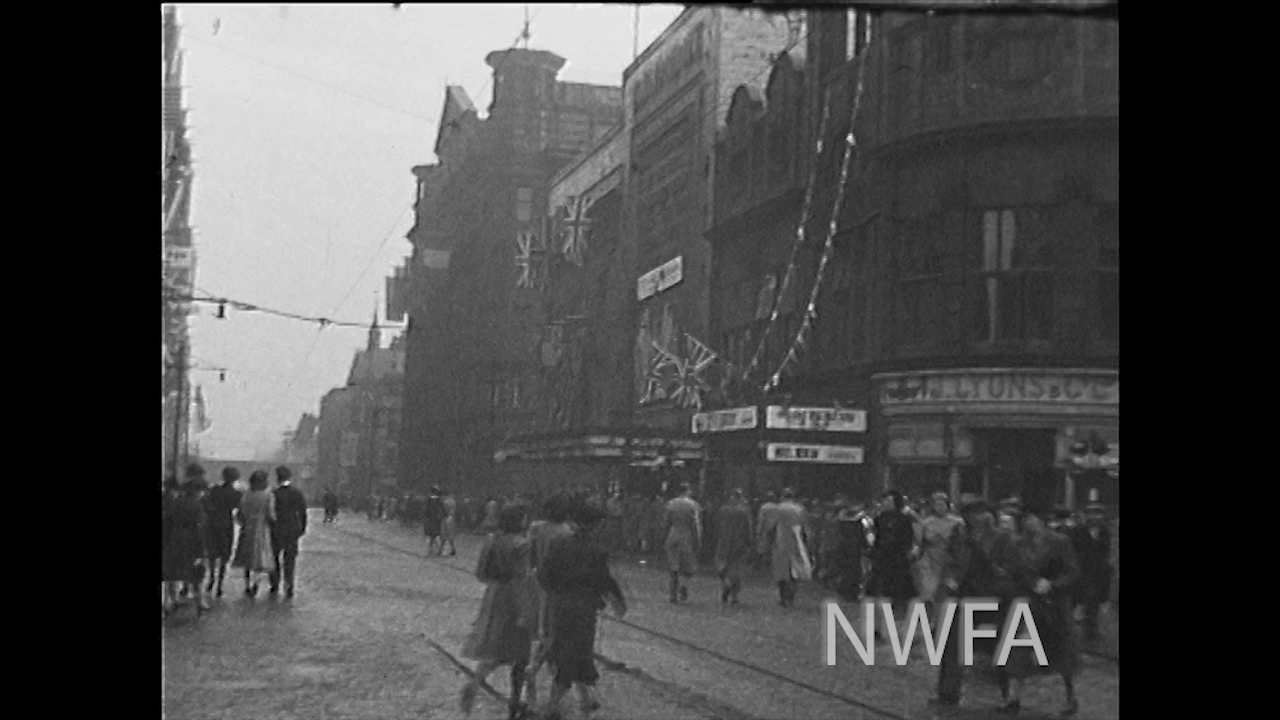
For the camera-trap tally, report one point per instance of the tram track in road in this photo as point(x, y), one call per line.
point(717, 709)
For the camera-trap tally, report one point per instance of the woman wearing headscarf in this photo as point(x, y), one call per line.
point(254, 553)
point(1043, 569)
point(932, 534)
point(576, 577)
point(502, 633)
point(734, 541)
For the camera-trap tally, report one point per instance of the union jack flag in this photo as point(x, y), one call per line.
point(531, 259)
point(690, 385)
point(574, 229)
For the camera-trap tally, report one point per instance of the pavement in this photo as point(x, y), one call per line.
point(376, 628)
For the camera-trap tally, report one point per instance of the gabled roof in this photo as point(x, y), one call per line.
point(457, 106)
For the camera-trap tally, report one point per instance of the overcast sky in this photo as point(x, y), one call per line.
point(305, 122)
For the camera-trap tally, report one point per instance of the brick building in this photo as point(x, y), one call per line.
point(478, 319)
point(677, 97)
point(970, 304)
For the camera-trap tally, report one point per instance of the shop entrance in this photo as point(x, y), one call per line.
point(1019, 462)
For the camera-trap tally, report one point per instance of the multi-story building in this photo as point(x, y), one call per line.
point(677, 97)
point(482, 264)
point(177, 253)
point(357, 440)
point(968, 303)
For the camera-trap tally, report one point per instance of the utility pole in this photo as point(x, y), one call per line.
point(179, 410)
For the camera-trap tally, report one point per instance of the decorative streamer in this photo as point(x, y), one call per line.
point(829, 245)
point(805, 212)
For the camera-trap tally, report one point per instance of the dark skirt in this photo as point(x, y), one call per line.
point(573, 643)
point(221, 542)
point(891, 578)
point(431, 528)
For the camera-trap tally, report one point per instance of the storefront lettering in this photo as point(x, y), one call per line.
point(1087, 388)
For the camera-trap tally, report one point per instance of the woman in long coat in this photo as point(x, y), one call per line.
point(891, 556)
point(185, 528)
point(503, 630)
point(576, 576)
point(1043, 568)
point(932, 534)
point(542, 535)
point(257, 514)
point(734, 541)
point(789, 559)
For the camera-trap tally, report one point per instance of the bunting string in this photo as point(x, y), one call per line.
point(805, 213)
point(829, 244)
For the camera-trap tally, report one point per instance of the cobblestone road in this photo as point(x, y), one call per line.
point(357, 642)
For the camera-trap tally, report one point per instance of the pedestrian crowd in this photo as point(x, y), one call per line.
point(890, 552)
point(199, 537)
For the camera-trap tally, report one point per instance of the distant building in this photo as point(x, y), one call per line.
point(357, 438)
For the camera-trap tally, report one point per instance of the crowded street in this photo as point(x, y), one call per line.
point(375, 628)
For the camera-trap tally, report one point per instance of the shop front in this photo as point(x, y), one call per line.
point(1051, 436)
point(817, 451)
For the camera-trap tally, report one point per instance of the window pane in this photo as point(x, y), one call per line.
point(990, 240)
point(1008, 235)
point(1009, 305)
point(1039, 306)
point(1033, 248)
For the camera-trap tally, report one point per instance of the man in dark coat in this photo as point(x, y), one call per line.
point(290, 526)
point(185, 540)
point(734, 543)
point(891, 556)
point(433, 522)
point(850, 549)
point(1092, 544)
point(221, 504)
point(330, 502)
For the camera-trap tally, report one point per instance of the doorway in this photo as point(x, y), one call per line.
point(1020, 462)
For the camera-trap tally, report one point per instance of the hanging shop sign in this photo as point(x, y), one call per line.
point(743, 418)
point(828, 454)
point(816, 418)
point(660, 278)
point(1030, 387)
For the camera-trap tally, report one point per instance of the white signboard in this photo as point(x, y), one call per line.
point(830, 454)
point(744, 418)
point(816, 418)
point(660, 278)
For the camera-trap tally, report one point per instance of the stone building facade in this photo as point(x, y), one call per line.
point(677, 97)
point(969, 305)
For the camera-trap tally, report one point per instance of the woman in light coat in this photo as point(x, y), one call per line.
point(257, 514)
point(786, 528)
point(932, 534)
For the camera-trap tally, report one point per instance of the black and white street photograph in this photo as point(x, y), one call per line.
point(753, 361)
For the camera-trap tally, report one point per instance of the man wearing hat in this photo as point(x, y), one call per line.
point(290, 526)
point(1092, 543)
point(682, 521)
point(433, 521)
point(449, 507)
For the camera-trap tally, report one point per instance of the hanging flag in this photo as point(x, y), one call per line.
point(202, 419)
point(531, 260)
point(691, 385)
point(574, 230)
